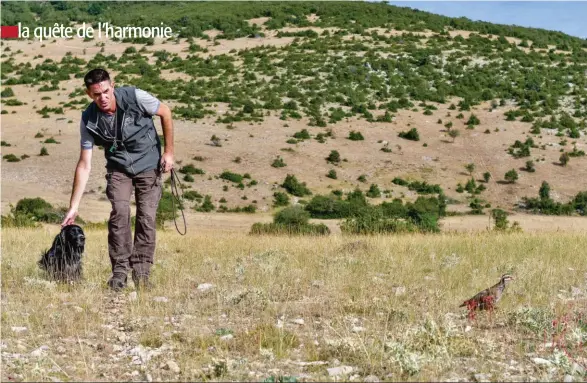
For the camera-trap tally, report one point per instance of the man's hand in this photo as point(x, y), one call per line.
point(166, 162)
point(69, 217)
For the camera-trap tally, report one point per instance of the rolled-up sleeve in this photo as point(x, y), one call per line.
point(148, 103)
point(87, 141)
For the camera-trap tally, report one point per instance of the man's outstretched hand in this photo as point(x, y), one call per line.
point(69, 217)
point(166, 162)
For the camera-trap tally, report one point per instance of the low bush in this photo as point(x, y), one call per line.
point(292, 220)
point(411, 135)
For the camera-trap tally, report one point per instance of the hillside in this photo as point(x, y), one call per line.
point(245, 81)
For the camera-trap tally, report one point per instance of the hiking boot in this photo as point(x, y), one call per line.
point(117, 282)
point(141, 281)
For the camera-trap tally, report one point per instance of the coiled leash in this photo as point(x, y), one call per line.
point(177, 196)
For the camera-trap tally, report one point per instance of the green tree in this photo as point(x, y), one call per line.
point(501, 219)
point(294, 187)
point(293, 215)
point(511, 176)
point(470, 168)
point(530, 166)
point(454, 133)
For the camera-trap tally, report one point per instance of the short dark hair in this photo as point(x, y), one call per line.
point(96, 76)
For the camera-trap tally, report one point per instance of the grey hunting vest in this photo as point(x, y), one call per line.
point(137, 147)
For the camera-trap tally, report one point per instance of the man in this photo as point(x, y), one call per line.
point(120, 120)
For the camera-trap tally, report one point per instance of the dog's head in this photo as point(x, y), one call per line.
point(73, 239)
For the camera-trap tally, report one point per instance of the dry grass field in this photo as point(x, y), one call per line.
point(236, 307)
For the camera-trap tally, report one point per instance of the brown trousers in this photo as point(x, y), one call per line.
point(125, 255)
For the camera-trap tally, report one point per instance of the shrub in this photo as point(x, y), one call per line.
point(332, 174)
point(362, 178)
point(191, 169)
point(511, 176)
point(564, 159)
point(576, 153)
point(276, 229)
point(207, 205)
point(470, 168)
point(192, 195)
point(294, 187)
point(374, 191)
point(11, 158)
point(215, 141)
point(473, 120)
point(333, 157)
point(293, 215)
point(486, 176)
point(44, 152)
point(530, 166)
point(167, 209)
point(302, 135)
point(278, 163)
point(544, 192)
point(280, 199)
point(188, 178)
point(471, 186)
point(291, 220)
point(29, 211)
point(355, 136)
point(13, 102)
point(412, 135)
point(476, 206)
point(331, 207)
point(519, 149)
point(233, 177)
point(51, 140)
point(399, 181)
point(454, 133)
point(545, 205)
point(385, 118)
point(418, 187)
point(501, 220)
point(370, 221)
point(4, 143)
point(8, 92)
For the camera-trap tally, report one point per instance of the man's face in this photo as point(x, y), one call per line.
point(103, 95)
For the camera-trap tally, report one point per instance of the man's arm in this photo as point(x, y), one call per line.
point(167, 158)
point(82, 174)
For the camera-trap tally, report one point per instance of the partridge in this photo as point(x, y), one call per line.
point(486, 299)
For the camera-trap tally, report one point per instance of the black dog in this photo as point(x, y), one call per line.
point(63, 261)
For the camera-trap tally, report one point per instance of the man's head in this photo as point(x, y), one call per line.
point(100, 89)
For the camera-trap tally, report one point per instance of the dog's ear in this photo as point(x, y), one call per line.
point(57, 247)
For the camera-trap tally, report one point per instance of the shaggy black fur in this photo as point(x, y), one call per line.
point(63, 261)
